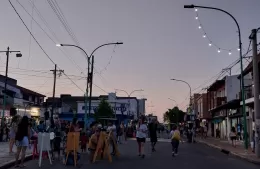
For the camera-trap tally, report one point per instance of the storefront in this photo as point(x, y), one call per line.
point(219, 124)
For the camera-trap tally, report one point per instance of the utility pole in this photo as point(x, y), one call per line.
point(90, 84)
point(54, 88)
point(6, 78)
point(253, 37)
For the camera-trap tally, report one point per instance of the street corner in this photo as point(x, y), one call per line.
point(247, 157)
point(209, 144)
point(11, 162)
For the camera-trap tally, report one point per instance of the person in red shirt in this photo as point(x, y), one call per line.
point(84, 142)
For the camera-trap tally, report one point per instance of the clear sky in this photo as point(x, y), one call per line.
point(161, 41)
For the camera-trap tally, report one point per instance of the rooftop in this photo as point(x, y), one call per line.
point(24, 90)
point(217, 84)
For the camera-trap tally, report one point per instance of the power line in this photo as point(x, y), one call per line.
point(31, 33)
point(219, 75)
point(40, 45)
point(46, 24)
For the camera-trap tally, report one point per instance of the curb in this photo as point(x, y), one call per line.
point(225, 151)
point(11, 163)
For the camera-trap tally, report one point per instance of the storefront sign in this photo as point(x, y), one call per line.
point(122, 109)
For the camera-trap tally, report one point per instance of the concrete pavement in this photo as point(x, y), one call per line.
point(224, 145)
point(5, 158)
point(196, 156)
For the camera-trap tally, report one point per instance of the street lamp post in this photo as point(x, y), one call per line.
point(241, 66)
point(129, 95)
point(90, 74)
point(173, 101)
point(190, 103)
point(18, 54)
point(185, 83)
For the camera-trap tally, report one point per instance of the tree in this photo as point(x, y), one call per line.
point(174, 115)
point(104, 110)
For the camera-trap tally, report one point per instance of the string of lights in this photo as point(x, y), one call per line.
point(210, 42)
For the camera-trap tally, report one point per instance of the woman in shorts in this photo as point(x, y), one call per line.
point(22, 140)
point(141, 130)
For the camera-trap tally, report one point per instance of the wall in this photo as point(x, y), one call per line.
point(119, 106)
point(232, 87)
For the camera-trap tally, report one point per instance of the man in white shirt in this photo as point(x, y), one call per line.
point(112, 128)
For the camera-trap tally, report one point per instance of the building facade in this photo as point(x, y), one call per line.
point(249, 96)
point(24, 101)
point(68, 106)
point(224, 107)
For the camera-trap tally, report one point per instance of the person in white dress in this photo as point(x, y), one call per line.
point(141, 131)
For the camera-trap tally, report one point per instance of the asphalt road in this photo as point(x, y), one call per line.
point(195, 156)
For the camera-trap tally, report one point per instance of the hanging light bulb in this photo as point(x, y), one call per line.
point(204, 36)
point(199, 27)
point(210, 44)
point(238, 49)
point(218, 50)
point(196, 17)
point(196, 9)
point(229, 53)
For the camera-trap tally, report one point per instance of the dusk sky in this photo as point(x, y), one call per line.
point(161, 41)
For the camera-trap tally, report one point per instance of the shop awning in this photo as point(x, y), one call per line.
point(217, 120)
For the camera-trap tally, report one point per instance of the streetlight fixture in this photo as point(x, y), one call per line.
point(18, 54)
point(241, 65)
point(185, 83)
point(173, 101)
point(90, 73)
point(129, 95)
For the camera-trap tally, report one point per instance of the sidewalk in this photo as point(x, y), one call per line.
point(7, 160)
point(225, 146)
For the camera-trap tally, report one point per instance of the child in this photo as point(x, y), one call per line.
point(92, 145)
point(83, 141)
point(175, 137)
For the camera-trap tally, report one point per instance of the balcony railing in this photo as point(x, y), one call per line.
point(248, 93)
point(217, 101)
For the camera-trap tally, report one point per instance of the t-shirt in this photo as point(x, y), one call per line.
point(141, 131)
point(112, 129)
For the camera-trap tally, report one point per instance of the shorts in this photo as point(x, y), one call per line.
point(24, 142)
point(140, 140)
point(233, 138)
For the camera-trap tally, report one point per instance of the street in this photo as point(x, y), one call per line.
point(195, 156)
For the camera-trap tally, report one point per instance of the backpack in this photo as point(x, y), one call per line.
point(176, 135)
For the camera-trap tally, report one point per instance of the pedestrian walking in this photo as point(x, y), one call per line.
point(175, 140)
point(141, 130)
point(83, 142)
point(233, 136)
point(22, 138)
point(13, 130)
point(153, 133)
point(120, 132)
